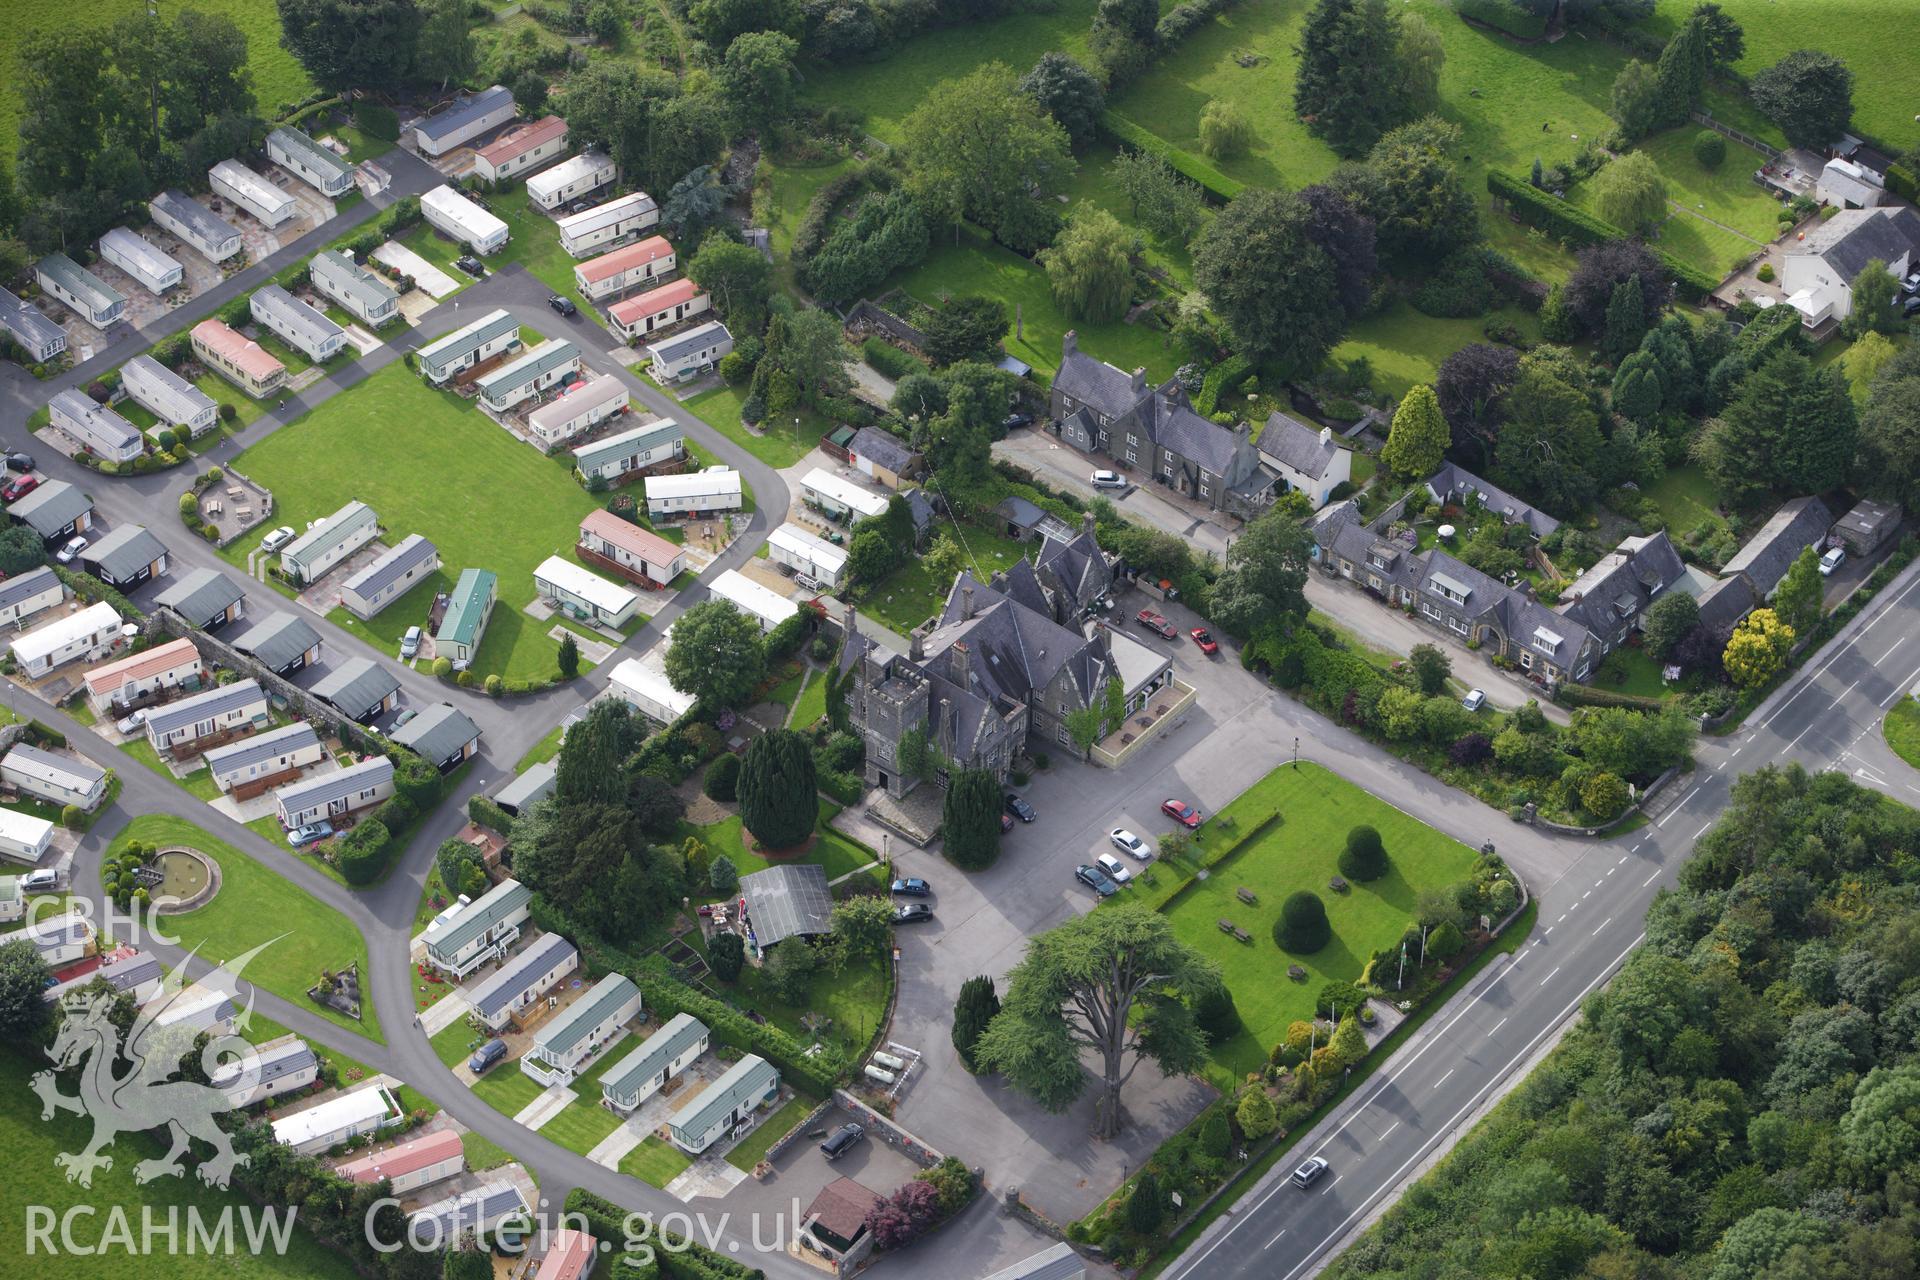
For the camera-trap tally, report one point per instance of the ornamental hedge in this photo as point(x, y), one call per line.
point(1185, 163)
point(1558, 218)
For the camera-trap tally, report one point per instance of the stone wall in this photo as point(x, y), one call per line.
point(215, 651)
point(885, 1130)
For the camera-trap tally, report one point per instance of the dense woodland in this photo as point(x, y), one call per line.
point(1741, 1103)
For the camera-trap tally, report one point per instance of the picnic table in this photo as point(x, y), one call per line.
point(1246, 895)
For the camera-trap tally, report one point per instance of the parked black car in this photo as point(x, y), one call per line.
point(912, 887)
point(21, 462)
point(1020, 808)
point(563, 305)
point(913, 913)
point(842, 1140)
point(471, 265)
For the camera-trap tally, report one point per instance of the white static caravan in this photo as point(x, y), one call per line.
point(686, 354)
point(114, 687)
point(197, 225)
point(331, 794)
point(570, 179)
point(528, 374)
point(840, 498)
point(23, 837)
point(306, 329)
point(724, 1105)
point(86, 294)
point(330, 1123)
point(660, 1057)
point(697, 493)
point(313, 164)
point(570, 1040)
point(36, 335)
point(584, 404)
point(233, 181)
point(649, 443)
point(278, 1067)
point(469, 345)
point(583, 595)
point(26, 595)
point(639, 553)
point(763, 604)
point(389, 577)
point(336, 275)
point(644, 687)
point(417, 1163)
point(462, 940)
point(808, 554)
point(328, 542)
point(154, 270)
point(168, 396)
point(464, 121)
point(459, 218)
point(602, 227)
point(55, 778)
point(104, 432)
point(92, 634)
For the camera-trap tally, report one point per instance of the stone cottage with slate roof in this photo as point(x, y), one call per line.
point(1817, 274)
point(1306, 461)
point(1611, 599)
point(1155, 432)
point(1460, 487)
point(1768, 555)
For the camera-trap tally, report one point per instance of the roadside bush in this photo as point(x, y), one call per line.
point(362, 852)
point(73, 818)
point(1445, 941)
point(1303, 927)
point(889, 359)
point(1364, 858)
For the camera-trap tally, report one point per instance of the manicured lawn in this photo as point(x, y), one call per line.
point(886, 92)
point(1317, 808)
point(483, 1153)
point(835, 853)
point(910, 594)
point(978, 266)
point(1406, 347)
point(1726, 194)
point(255, 905)
point(506, 1088)
point(1684, 497)
point(1902, 730)
point(419, 457)
point(782, 445)
point(853, 1000)
point(455, 1044)
point(545, 749)
point(753, 1149)
point(583, 1125)
point(1874, 36)
point(34, 1143)
point(655, 1162)
point(812, 704)
point(1638, 674)
point(277, 77)
point(788, 689)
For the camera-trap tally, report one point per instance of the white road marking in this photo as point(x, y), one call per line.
point(1443, 1079)
point(1623, 858)
point(1890, 648)
point(1549, 930)
point(1683, 802)
point(1586, 895)
point(1329, 1186)
point(1496, 1027)
point(1390, 1129)
point(1650, 879)
point(1737, 750)
point(1563, 916)
point(1604, 924)
point(1549, 978)
point(1276, 1238)
point(1703, 830)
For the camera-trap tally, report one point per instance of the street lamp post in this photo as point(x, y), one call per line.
point(1296, 753)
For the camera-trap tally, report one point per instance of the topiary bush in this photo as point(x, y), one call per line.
point(1302, 928)
point(1364, 858)
point(1709, 148)
point(722, 782)
point(1216, 1015)
point(1445, 941)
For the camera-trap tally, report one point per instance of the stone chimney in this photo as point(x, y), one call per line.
point(1086, 523)
point(1070, 343)
point(962, 665)
point(966, 602)
point(1139, 381)
point(1326, 436)
point(916, 646)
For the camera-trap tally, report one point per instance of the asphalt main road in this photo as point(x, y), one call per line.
point(1590, 920)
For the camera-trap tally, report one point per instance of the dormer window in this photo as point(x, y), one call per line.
point(1450, 588)
point(1546, 641)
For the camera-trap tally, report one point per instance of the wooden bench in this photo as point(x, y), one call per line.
point(1243, 935)
point(1295, 972)
point(1337, 885)
point(1226, 926)
point(1246, 895)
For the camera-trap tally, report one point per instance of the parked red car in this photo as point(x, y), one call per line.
point(1154, 622)
point(19, 487)
point(1181, 812)
point(1204, 638)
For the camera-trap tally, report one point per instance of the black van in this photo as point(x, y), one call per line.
point(842, 1140)
point(486, 1055)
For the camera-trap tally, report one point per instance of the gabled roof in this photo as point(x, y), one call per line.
point(310, 152)
point(1177, 428)
point(469, 338)
point(623, 260)
point(95, 621)
point(441, 1224)
point(1723, 604)
point(1110, 391)
point(585, 165)
point(786, 901)
point(507, 983)
point(80, 282)
point(1011, 652)
point(333, 531)
point(637, 204)
point(242, 352)
point(462, 620)
point(249, 184)
point(408, 1157)
point(215, 702)
point(27, 324)
point(271, 1061)
point(322, 790)
point(707, 335)
point(517, 140)
point(1623, 582)
point(247, 752)
point(394, 563)
point(588, 1011)
point(529, 365)
point(200, 595)
point(70, 772)
point(1295, 444)
point(1852, 238)
point(463, 112)
point(629, 537)
point(340, 271)
point(1456, 484)
point(149, 662)
point(750, 1077)
point(51, 508)
point(654, 301)
point(208, 226)
point(147, 379)
point(1057, 1263)
point(675, 1037)
point(1768, 555)
point(633, 441)
point(589, 395)
point(356, 685)
point(884, 449)
point(125, 550)
point(109, 426)
point(571, 1256)
point(478, 916)
point(312, 325)
point(138, 249)
point(26, 586)
point(529, 788)
point(278, 640)
point(438, 733)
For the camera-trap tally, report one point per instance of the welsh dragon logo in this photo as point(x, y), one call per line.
point(149, 1094)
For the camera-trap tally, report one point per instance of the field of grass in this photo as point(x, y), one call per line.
point(506, 1088)
point(36, 1180)
point(483, 1153)
point(1406, 347)
point(654, 1162)
point(452, 1045)
point(1725, 195)
point(1902, 730)
point(812, 704)
point(581, 1126)
point(1685, 498)
point(1874, 36)
point(910, 595)
point(753, 1148)
point(277, 78)
point(256, 905)
point(418, 456)
point(853, 1001)
point(781, 446)
point(1316, 810)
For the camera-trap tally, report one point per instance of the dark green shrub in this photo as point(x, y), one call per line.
point(1364, 858)
point(1303, 927)
point(1216, 1015)
point(722, 782)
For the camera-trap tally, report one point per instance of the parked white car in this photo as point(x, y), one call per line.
point(1116, 870)
point(1834, 558)
point(1130, 844)
point(1108, 480)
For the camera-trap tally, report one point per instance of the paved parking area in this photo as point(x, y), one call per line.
point(801, 1171)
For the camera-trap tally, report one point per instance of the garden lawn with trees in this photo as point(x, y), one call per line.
point(417, 456)
point(257, 904)
point(1300, 851)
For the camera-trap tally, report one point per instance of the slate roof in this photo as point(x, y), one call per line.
point(462, 113)
point(1177, 428)
point(1623, 582)
point(1768, 555)
point(320, 791)
point(692, 340)
point(272, 1062)
point(1078, 564)
point(1108, 390)
point(505, 984)
point(884, 449)
point(1297, 445)
point(70, 772)
point(278, 640)
point(1723, 604)
point(1019, 511)
point(200, 595)
point(391, 565)
point(922, 508)
point(1012, 652)
point(261, 746)
point(787, 901)
point(51, 508)
point(1455, 484)
point(209, 226)
point(441, 1224)
point(438, 733)
point(1853, 237)
point(213, 704)
point(653, 1055)
point(126, 550)
point(529, 788)
point(80, 282)
point(341, 272)
point(27, 585)
point(356, 686)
